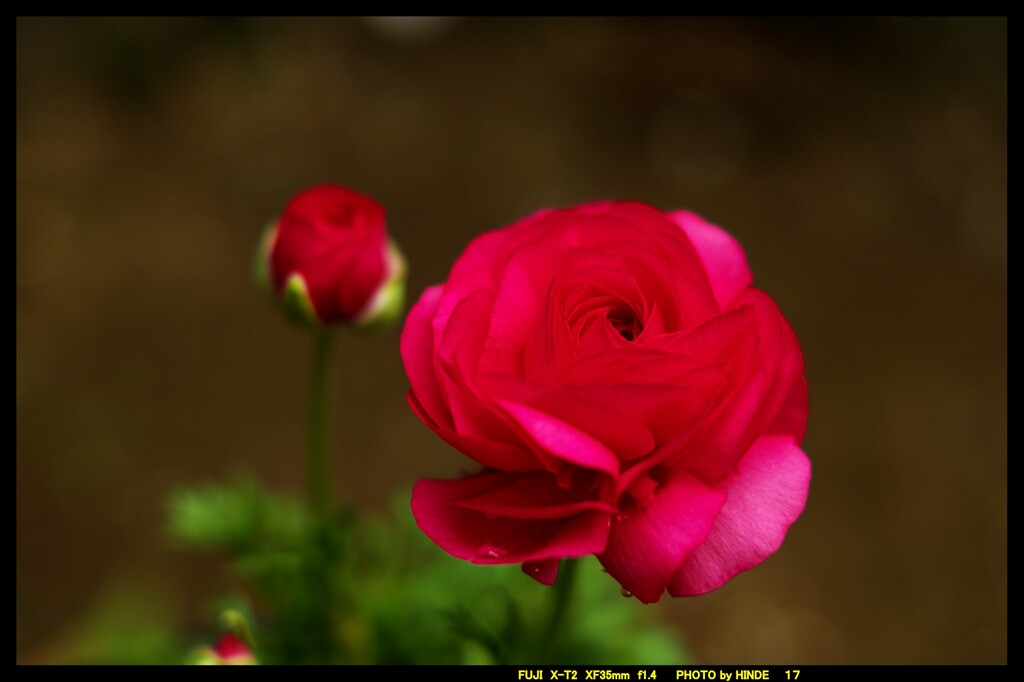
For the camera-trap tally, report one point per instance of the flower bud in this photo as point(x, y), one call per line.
point(328, 259)
point(229, 650)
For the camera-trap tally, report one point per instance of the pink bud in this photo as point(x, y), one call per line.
point(330, 260)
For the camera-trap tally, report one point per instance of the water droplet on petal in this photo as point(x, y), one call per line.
point(625, 593)
point(490, 552)
point(621, 518)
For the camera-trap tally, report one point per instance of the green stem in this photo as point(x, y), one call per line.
point(319, 425)
point(319, 625)
point(562, 596)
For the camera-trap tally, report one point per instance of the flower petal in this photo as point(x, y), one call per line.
point(417, 348)
point(765, 377)
point(561, 439)
point(722, 255)
point(648, 543)
point(544, 572)
point(457, 356)
point(785, 409)
point(488, 539)
point(535, 496)
point(491, 453)
point(608, 418)
point(773, 383)
point(762, 501)
point(792, 418)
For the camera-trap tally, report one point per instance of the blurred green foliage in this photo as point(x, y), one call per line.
point(371, 590)
point(239, 518)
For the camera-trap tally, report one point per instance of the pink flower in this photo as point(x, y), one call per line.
point(330, 260)
point(627, 393)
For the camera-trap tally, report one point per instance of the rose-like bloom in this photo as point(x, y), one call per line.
point(627, 393)
point(329, 258)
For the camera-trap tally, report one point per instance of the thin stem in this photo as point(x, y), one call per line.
point(319, 626)
point(318, 436)
point(562, 596)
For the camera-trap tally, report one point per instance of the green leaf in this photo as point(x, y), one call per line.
point(237, 517)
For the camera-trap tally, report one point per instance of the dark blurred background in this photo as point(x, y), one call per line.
point(862, 163)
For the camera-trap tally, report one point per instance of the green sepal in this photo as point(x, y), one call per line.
point(297, 303)
point(386, 307)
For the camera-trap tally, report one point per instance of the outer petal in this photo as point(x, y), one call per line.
point(722, 255)
point(484, 538)
point(765, 395)
point(763, 500)
point(783, 370)
point(792, 418)
point(544, 572)
point(434, 397)
point(457, 355)
point(648, 544)
point(417, 347)
point(534, 496)
point(491, 453)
